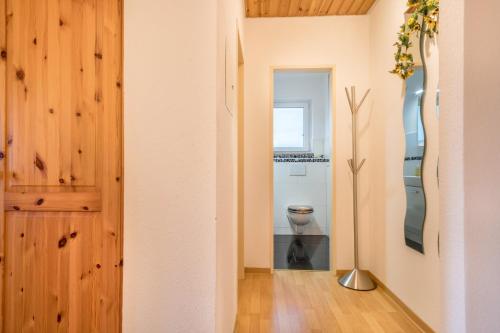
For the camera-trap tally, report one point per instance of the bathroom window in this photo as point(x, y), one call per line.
point(291, 122)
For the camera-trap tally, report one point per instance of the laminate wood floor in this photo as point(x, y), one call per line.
point(302, 301)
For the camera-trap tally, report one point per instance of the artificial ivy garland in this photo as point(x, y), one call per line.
point(424, 18)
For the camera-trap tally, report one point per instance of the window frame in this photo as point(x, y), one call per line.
point(307, 121)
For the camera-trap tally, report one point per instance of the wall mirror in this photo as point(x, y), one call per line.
point(414, 154)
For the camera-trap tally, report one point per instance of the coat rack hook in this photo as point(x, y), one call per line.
point(363, 99)
point(349, 99)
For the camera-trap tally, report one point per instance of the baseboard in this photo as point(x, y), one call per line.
point(408, 312)
point(257, 270)
point(235, 324)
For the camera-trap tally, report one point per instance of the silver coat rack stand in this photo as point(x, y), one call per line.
point(356, 279)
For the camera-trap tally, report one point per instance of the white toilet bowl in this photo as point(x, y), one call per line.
point(299, 216)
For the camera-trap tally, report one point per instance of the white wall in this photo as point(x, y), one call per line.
point(481, 166)
point(180, 220)
point(340, 41)
point(413, 277)
point(170, 174)
point(310, 189)
point(451, 165)
point(229, 20)
point(470, 182)
point(469, 164)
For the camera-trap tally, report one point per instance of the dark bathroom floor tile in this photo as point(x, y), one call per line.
point(310, 252)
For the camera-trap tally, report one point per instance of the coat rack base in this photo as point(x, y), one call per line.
point(357, 280)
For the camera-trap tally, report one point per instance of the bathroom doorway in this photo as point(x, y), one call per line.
point(302, 118)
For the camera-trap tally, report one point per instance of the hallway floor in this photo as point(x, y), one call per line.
point(302, 301)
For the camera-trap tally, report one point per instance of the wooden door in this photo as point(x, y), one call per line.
point(61, 165)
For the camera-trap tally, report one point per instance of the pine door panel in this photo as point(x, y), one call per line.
point(51, 85)
point(61, 189)
point(52, 272)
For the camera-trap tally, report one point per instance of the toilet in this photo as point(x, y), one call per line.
point(299, 216)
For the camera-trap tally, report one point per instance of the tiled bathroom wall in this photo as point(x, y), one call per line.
point(309, 189)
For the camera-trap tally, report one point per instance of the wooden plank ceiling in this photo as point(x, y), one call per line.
point(283, 8)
